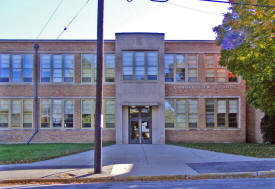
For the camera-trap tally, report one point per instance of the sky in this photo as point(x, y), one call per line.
point(178, 19)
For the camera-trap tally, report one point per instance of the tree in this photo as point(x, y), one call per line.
point(247, 42)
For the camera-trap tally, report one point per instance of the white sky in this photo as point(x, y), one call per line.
point(23, 19)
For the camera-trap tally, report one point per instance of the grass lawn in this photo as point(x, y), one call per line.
point(21, 153)
point(246, 149)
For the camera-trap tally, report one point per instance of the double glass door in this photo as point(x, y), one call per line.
point(140, 125)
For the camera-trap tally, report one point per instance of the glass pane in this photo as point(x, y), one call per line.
point(16, 107)
point(180, 76)
point(28, 61)
point(193, 106)
point(192, 61)
point(233, 122)
point(139, 59)
point(69, 61)
point(68, 120)
point(134, 130)
point(109, 107)
point(57, 75)
point(181, 106)
point(221, 75)
point(4, 106)
point(169, 61)
point(169, 75)
point(210, 61)
point(180, 120)
point(193, 119)
point(127, 70)
point(152, 59)
point(127, 59)
point(145, 130)
point(4, 67)
point(57, 106)
point(233, 106)
point(134, 112)
point(69, 106)
point(57, 61)
point(27, 106)
point(15, 120)
point(86, 106)
point(210, 73)
point(210, 120)
point(4, 120)
point(45, 61)
point(221, 119)
point(109, 61)
point(209, 106)
point(180, 61)
point(169, 111)
point(221, 106)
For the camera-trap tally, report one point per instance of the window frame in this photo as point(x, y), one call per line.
point(52, 68)
point(21, 122)
point(93, 115)
point(21, 68)
point(187, 113)
point(226, 114)
point(51, 114)
point(104, 75)
point(145, 66)
point(186, 67)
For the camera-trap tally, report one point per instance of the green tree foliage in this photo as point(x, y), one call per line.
point(246, 37)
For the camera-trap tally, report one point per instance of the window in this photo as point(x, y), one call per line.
point(88, 67)
point(210, 113)
point(68, 113)
point(221, 113)
point(4, 113)
point(88, 111)
point(109, 114)
point(140, 65)
point(210, 68)
point(181, 113)
point(56, 113)
point(27, 110)
point(109, 68)
point(16, 68)
point(56, 68)
point(181, 67)
point(215, 72)
point(169, 113)
point(16, 113)
point(45, 113)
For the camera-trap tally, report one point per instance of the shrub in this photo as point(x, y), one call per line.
point(268, 129)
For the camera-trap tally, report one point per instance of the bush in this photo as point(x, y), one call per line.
point(268, 129)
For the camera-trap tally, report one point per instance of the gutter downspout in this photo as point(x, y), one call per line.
point(36, 46)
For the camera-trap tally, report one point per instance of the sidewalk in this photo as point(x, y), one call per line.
point(137, 160)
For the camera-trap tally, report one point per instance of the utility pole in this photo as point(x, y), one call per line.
point(99, 89)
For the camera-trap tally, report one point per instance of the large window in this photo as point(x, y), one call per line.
point(216, 73)
point(56, 113)
point(88, 111)
point(181, 67)
point(221, 113)
point(88, 68)
point(181, 113)
point(16, 113)
point(16, 68)
point(56, 68)
point(140, 65)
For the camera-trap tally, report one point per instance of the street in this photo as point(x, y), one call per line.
point(253, 183)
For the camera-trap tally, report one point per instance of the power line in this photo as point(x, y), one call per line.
point(53, 13)
point(71, 21)
point(236, 3)
point(197, 10)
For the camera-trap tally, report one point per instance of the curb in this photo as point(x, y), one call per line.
point(258, 174)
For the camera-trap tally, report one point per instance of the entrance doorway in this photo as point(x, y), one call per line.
point(140, 125)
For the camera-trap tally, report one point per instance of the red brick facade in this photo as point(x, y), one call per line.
point(76, 91)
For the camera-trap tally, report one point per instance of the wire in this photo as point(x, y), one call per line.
point(75, 16)
point(197, 10)
point(53, 13)
point(236, 3)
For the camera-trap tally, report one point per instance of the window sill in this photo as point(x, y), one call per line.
point(204, 129)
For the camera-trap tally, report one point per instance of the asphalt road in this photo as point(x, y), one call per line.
point(253, 183)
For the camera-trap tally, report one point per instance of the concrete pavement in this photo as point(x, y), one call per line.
point(136, 160)
point(255, 183)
